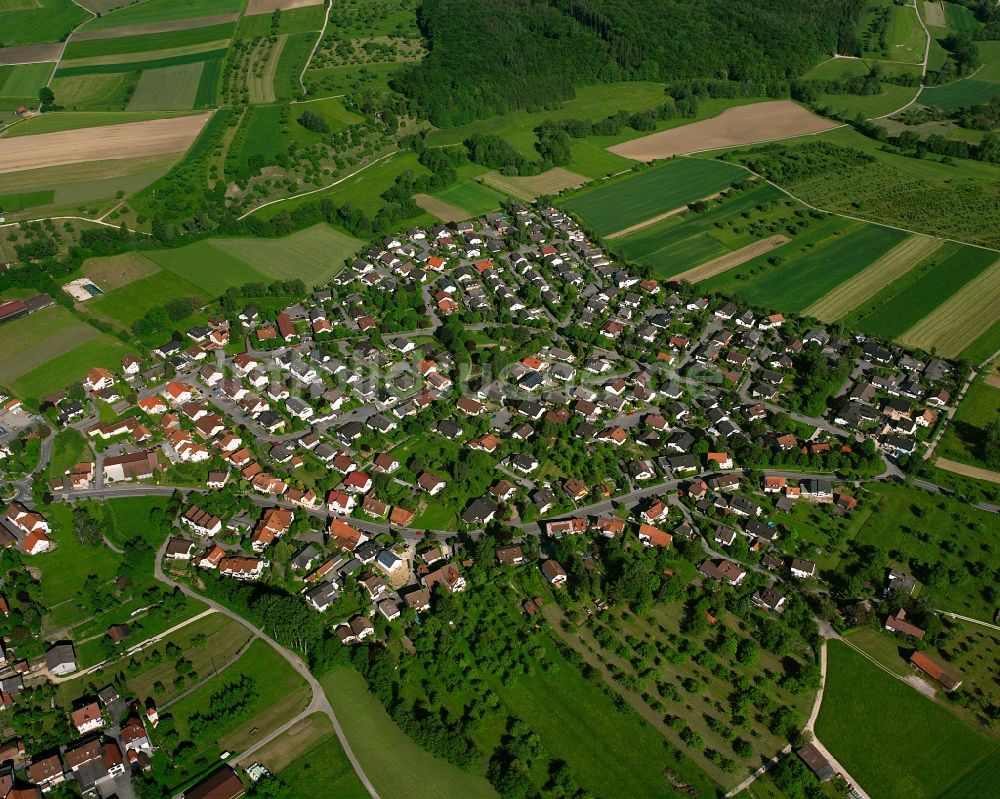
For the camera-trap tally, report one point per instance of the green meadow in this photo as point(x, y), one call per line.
point(869, 722)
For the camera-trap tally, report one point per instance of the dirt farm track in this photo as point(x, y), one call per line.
point(113, 142)
point(744, 124)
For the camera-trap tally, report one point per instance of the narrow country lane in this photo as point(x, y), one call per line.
point(319, 702)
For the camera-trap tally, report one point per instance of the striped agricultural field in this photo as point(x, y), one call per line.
point(961, 319)
point(868, 282)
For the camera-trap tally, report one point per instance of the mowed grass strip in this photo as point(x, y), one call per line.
point(211, 270)
point(867, 722)
point(627, 201)
point(909, 298)
point(393, 762)
point(961, 319)
point(899, 260)
point(261, 83)
point(167, 89)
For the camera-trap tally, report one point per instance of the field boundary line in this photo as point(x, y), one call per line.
point(327, 8)
point(321, 188)
point(619, 234)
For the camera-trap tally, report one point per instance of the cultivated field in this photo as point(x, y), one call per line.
point(19, 84)
point(726, 262)
point(167, 89)
point(961, 319)
point(118, 270)
point(686, 240)
point(29, 340)
point(313, 255)
point(91, 185)
point(964, 469)
point(153, 12)
point(627, 201)
point(30, 53)
point(867, 722)
point(268, 6)
point(170, 26)
point(966, 433)
point(850, 294)
point(934, 14)
point(745, 124)
point(439, 208)
point(38, 21)
point(814, 264)
point(908, 299)
point(156, 137)
point(552, 181)
point(473, 197)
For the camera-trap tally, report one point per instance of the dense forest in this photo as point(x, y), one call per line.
point(491, 56)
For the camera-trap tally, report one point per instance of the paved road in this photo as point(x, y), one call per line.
point(318, 704)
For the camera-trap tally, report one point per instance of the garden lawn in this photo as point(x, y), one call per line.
point(39, 21)
point(629, 200)
point(393, 762)
point(130, 302)
point(964, 437)
point(131, 520)
point(68, 448)
point(869, 721)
